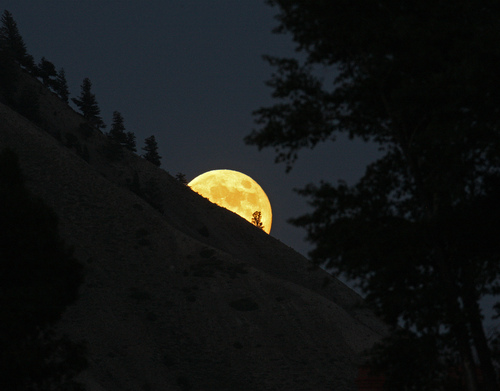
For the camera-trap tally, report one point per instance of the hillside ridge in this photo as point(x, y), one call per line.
point(178, 290)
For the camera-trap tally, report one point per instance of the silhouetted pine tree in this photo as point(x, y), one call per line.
point(181, 178)
point(14, 43)
point(87, 104)
point(151, 149)
point(117, 132)
point(39, 278)
point(61, 85)
point(9, 74)
point(46, 71)
point(257, 219)
point(130, 142)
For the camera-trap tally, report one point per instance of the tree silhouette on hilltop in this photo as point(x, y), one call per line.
point(87, 104)
point(47, 70)
point(151, 149)
point(12, 54)
point(61, 85)
point(13, 42)
point(118, 139)
point(130, 142)
point(257, 219)
point(117, 131)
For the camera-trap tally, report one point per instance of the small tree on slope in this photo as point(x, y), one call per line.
point(87, 104)
point(257, 219)
point(61, 85)
point(151, 149)
point(117, 131)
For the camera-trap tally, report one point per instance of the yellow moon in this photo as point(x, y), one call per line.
point(235, 191)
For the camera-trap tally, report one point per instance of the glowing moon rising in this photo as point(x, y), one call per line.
point(234, 191)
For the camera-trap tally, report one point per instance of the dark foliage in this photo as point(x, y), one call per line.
point(8, 65)
point(39, 278)
point(119, 137)
point(87, 104)
point(46, 70)
point(151, 149)
point(181, 178)
point(61, 85)
point(117, 131)
point(257, 219)
point(411, 362)
point(419, 229)
point(13, 42)
point(130, 142)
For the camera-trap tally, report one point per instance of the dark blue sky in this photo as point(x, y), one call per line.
point(191, 73)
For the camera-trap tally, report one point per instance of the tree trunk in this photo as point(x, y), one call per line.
point(461, 336)
point(455, 313)
point(481, 344)
point(456, 319)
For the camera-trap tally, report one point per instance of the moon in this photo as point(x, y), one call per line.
point(235, 191)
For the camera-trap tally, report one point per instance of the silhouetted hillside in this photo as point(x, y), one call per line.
point(180, 294)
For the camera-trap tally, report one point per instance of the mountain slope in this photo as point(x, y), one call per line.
point(179, 293)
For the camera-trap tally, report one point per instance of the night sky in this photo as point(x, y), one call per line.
point(189, 72)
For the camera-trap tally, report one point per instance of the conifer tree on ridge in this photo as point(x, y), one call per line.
point(257, 219)
point(13, 42)
point(117, 131)
point(46, 70)
point(61, 85)
point(151, 149)
point(130, 142)
point(87, 104)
